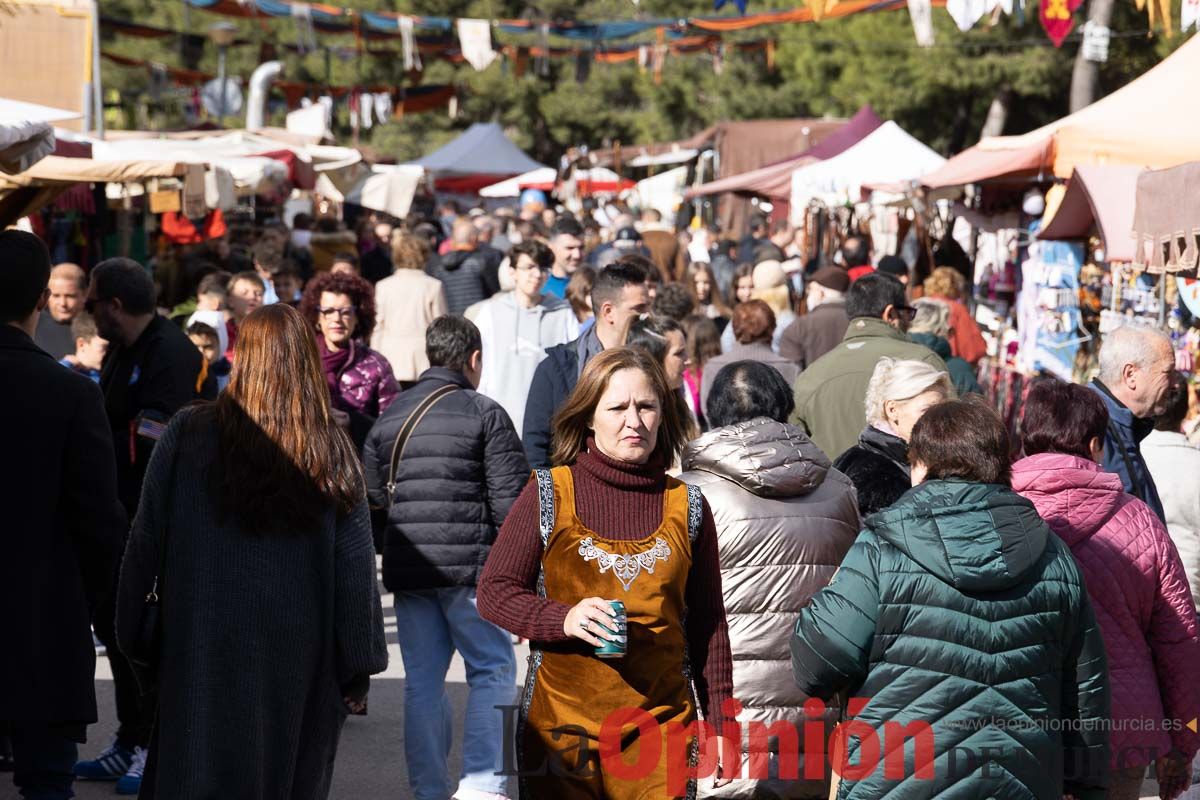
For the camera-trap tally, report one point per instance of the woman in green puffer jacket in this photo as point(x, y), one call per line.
point(958, 608)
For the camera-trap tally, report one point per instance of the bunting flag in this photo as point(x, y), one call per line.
point(1058, 18)
point(921, 13)
point(475, 39)
point(966, 13)
point(1189, 15)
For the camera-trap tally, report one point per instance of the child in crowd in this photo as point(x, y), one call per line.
point(211, 295)
point(288, 284)
point(89, 347)
point(208, 342)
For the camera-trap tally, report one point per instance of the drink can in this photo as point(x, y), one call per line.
point(615, 648)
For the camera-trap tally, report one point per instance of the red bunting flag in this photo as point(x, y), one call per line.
point(1057, 18)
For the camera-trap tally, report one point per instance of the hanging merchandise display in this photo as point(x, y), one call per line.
point(1058, 18)
point(1048, 307)
point(1095, 42)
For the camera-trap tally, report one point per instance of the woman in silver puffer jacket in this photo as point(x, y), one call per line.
point(785, 518)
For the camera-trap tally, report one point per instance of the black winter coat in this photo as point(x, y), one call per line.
point(152, 378)
point(262, 634)
point(878, 468)
point(553, 381)
point(61, 537)
point(462, 470)
point(462, 275)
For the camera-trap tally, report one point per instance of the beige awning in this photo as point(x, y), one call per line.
point(55, 169)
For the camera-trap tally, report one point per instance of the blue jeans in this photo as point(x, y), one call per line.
point(431, 625)
point(43, 761)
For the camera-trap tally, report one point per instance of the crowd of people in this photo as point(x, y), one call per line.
point(783, 471)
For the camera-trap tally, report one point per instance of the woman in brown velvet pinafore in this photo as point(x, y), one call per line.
point(609, 524)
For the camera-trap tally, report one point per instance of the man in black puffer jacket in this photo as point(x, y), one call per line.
point(462, 270)
point(461, 470)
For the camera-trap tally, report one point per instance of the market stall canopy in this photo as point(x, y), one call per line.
point(257, 162)
point(1166, 219)
point(774, 180)
point(14, 111)
point(589, 181)
point(59, 170)
point(676, 155)
point(1100, 197)
point(23, 144)
point(385, 188)
point(1113, 130)
point(886, 155)
point(482, 149)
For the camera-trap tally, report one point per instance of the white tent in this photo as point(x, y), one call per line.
point(544, 177)
point(886, 155)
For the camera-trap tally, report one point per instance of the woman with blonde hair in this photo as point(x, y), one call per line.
point(948, 285)
point(405, 304)
point(899, 393)
point(608, 524)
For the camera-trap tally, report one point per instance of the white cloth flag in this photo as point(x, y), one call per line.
point(475, 39)
point(1190, 14)
point(921, 13)
point(408, 41)
point(968, 12)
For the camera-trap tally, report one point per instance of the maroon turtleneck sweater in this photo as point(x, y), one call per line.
point(625, 501)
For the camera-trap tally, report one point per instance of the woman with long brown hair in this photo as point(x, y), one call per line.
point(254, 531)
point(608, 524)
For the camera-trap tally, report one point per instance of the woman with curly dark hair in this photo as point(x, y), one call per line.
point(341, 308)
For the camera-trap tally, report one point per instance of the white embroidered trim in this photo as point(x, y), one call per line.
point(626, 568)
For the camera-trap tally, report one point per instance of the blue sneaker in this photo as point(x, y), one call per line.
point(131, 781)
point(108, 766)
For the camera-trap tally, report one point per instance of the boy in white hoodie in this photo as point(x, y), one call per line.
point(518, 326)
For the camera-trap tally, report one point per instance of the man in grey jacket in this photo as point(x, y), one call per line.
point(518, 327)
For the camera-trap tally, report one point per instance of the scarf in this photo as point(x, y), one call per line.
point(333, 362)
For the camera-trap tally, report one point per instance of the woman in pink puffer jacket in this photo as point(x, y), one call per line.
point(1134, 576)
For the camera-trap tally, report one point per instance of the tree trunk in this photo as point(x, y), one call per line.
point(1086, 75)
point(997, 114)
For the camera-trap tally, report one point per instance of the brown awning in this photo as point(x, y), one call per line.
point(56, 169)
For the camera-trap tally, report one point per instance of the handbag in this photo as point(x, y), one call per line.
point(379, 513)
point(148, 645)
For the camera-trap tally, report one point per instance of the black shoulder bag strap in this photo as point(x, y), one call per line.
point(406, 430)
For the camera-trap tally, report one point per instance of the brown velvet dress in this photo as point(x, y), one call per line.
point(569, 692)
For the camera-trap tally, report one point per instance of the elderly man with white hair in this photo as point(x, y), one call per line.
point(1135, 373)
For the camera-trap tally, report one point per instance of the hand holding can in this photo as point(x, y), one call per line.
point(615, 647)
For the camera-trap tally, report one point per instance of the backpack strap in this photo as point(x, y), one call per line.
point(410, 425)
point(545, 482)
point(695, 512)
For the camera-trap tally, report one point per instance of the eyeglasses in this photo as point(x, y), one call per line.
point(907, 312)
point(349, 312)
point(532, 267)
